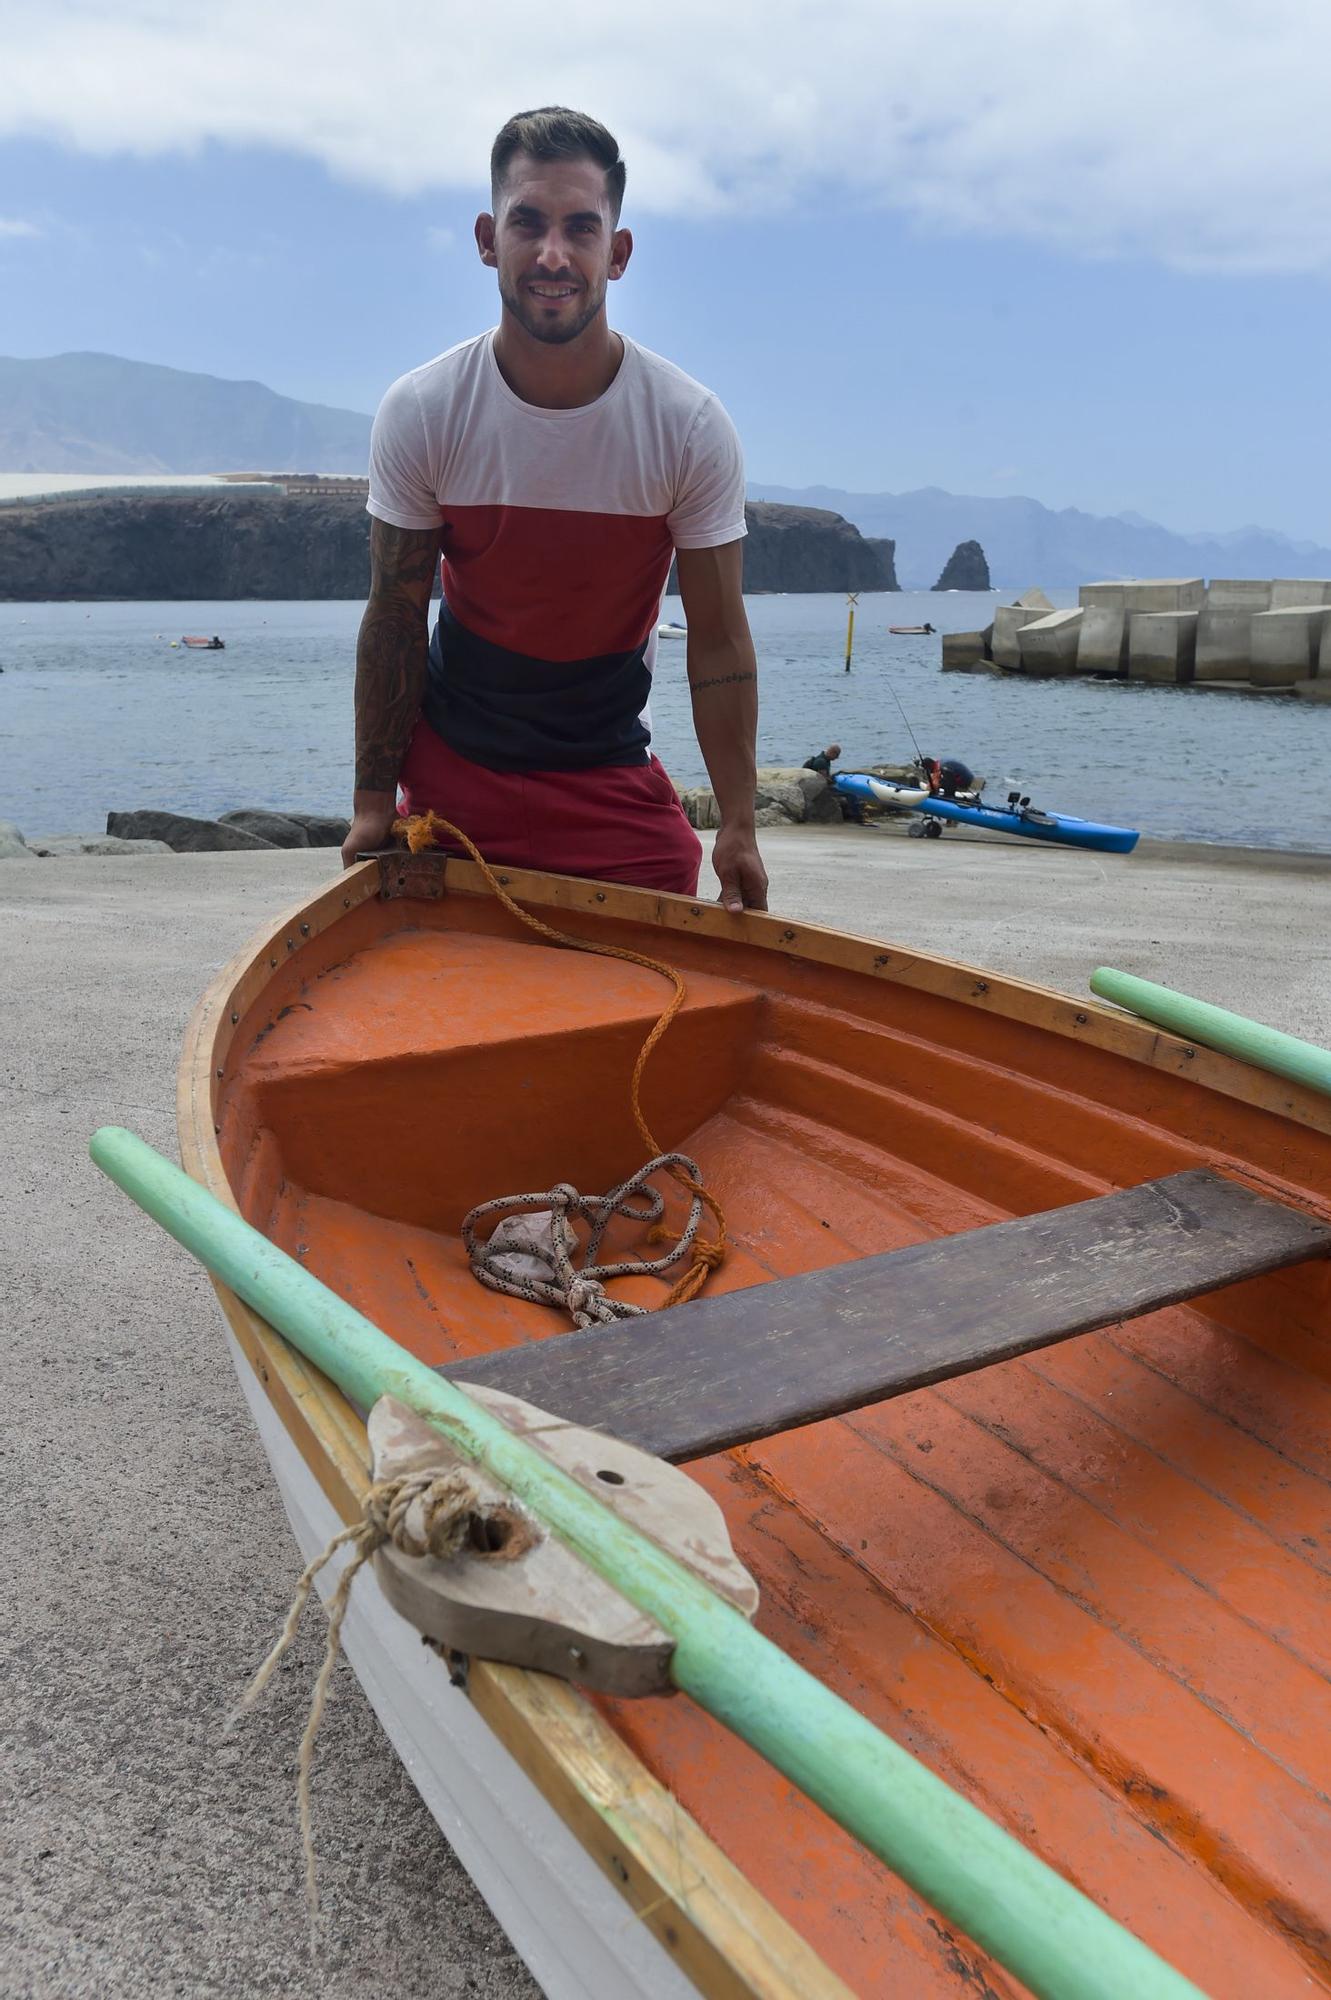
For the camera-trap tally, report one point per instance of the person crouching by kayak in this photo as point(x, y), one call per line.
point(946, 777)
point(823, 760)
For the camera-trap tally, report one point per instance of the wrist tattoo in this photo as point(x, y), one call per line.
point(720, 680)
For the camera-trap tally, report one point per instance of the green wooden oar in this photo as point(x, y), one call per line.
point(1217, 1028)
point(1027, 1917)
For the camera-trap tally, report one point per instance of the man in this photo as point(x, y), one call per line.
point(823, 760)
point(558, 467)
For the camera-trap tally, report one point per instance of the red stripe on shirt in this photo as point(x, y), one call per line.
point(555, 584)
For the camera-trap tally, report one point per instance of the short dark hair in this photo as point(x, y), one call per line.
point(555, 133)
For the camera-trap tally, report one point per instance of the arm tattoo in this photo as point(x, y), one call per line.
point(719, 680)
point(392, 649)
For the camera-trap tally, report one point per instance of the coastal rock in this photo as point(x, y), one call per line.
point(167, 546)
point(700, 807)
point(778, 784)
point(13, 847)
point(785, 793)
point(324, 829)
point(56, 845)
point(277, 829)
point(182, 834)
point(783, 796)
point(965, 569)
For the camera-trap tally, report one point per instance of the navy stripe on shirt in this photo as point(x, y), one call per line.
point(510, 712)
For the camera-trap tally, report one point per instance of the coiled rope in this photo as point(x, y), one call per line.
point(420, 832)
point(550, 1249)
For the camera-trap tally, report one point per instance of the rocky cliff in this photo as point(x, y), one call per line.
point(190, 546)
point(965, 569)
point(809, 548)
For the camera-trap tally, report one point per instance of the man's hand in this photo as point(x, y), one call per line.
point(739, 869)
point(372, 815)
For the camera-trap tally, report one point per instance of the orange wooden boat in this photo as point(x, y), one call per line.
point(1090, 1587)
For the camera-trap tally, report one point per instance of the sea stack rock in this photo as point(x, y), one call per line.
point(965, 569)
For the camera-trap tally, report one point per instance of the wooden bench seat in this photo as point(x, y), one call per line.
point(723, 1371)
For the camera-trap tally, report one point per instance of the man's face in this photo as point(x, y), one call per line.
point(554, 245)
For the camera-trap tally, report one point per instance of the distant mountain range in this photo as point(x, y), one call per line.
point(102, 415)
point(1027, 543)
point(97, 413)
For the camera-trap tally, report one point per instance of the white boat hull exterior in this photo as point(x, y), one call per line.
point(572, 1929)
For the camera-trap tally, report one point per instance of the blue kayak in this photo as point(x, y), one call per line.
point(1035, 825)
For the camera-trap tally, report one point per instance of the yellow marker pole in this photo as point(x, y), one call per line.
point(852, 600)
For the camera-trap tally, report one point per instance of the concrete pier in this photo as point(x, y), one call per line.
point(1286, 645)
point(1162, 645)
point(1049, 645)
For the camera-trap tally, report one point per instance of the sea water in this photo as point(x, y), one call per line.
point(98, 712)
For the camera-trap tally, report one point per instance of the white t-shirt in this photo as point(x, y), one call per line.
point(557, 529)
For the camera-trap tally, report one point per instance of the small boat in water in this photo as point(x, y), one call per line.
point(672, 631)
point(1089, 1587)
point(202, 645)
point(910, 631)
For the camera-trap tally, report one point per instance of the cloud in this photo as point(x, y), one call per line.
point(13, 225)
point(1193, 132)
point(441, 239)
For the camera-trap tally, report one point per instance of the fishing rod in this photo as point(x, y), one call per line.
point(919, 754)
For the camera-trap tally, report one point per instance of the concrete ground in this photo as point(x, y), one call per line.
point(149, 1561)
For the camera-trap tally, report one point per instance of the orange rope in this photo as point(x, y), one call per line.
point(420, 832)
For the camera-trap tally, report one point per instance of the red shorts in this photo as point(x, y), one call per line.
point(618, 823)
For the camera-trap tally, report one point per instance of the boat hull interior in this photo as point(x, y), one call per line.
point(1091, 1588)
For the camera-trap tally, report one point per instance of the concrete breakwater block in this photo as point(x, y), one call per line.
point(1324, 651)
point(1286, 644)
point(1008, 621)
point(963, 650)
point(1102, 640)
point(1292, 593)
point(1238, 593)
point(1048, 645)
point(1224, 642)
point(1162, 645)
point(1164, 593)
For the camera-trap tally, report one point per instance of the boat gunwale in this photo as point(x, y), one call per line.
point(646, 1844)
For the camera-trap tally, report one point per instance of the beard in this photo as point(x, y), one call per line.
point(553, 332)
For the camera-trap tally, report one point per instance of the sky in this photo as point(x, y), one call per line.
point(1078, 253)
